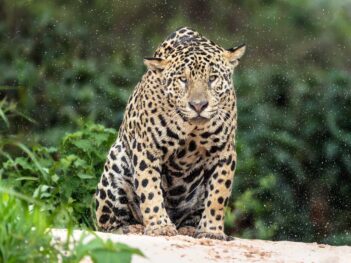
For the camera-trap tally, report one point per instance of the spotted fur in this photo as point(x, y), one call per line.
point(171, 168)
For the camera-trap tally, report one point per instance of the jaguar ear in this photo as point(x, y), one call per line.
point(234, 54)
point(155, 63)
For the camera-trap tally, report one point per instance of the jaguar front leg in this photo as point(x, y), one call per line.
point(218, 192)
point(147, 183)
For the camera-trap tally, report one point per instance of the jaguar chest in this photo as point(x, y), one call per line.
point(183, 174)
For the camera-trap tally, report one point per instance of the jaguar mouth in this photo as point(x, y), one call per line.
point(199, 120)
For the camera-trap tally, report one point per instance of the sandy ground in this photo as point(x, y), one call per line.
point(186, 249)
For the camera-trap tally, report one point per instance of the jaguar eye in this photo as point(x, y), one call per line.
point(212, 78)
point(183, 80)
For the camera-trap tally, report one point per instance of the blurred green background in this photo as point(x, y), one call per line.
point(67, 69)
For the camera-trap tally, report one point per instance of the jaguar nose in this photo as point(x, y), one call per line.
point(198, 106)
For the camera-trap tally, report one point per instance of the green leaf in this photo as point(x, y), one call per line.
point(102, 251)
point(84, 145)
point(86, 176)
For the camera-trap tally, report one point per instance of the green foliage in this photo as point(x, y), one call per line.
point(294, 157)
point(25, 237)
point(63, 178)
point(22, 231)
point(5, 108)
point(101, 251)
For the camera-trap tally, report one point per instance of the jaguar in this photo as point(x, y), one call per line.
point(171, 168)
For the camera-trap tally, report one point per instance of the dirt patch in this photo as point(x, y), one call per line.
point(187, 249)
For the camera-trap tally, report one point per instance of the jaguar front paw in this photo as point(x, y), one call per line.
point(187, 231)
point(161, 230)
point(219, 236)
point(137, 229)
